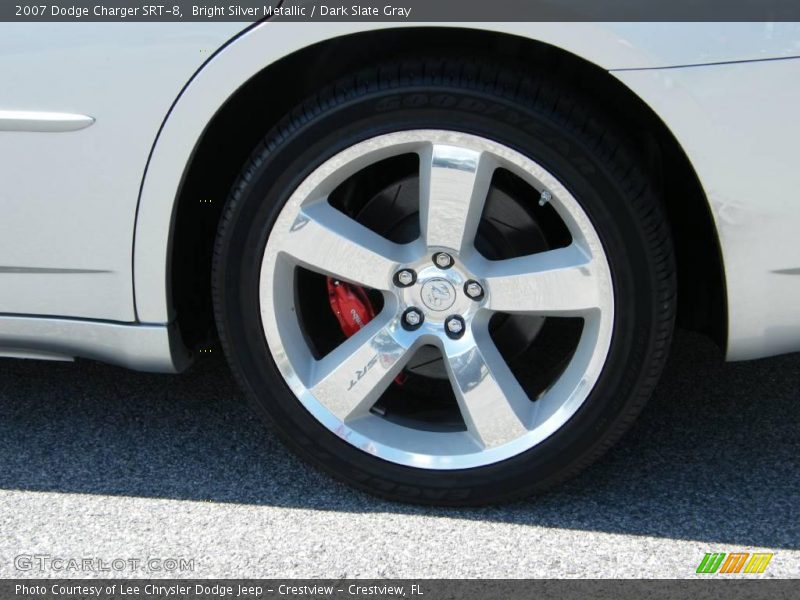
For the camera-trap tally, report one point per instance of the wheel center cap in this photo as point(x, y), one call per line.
point(438, 294)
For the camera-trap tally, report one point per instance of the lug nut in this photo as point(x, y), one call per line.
point(405, 278)
point(443, 260)
point(473, 289)
point(412, 319)
point(454, 326)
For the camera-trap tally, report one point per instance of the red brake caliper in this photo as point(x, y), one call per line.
point(353, 309)
point(350, 304)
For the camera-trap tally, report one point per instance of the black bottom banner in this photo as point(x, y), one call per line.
point(423, 589)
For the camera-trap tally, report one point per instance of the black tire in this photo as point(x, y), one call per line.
point(541, 119)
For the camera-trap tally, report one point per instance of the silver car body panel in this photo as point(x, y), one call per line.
point(154, 348)
point(739, 125)
point(68, 198)
point(87, 213)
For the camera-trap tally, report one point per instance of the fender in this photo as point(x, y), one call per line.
point(233, 65)
point(620, 48)
point(751, 185)
point(244, 57)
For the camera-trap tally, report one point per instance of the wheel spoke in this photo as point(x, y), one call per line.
point(325, 240)
point(494, 406)
point(349, 380)
point(562, 282)
point(454, 183)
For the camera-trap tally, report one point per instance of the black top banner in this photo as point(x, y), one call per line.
point(401, 10)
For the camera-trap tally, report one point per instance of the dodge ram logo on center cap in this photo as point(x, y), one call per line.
point(438, 294)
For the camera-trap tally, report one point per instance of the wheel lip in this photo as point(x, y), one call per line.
point(336, 169)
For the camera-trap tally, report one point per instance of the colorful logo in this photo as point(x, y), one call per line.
point(735, 562)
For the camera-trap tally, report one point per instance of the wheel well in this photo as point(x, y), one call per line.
point(261, 102)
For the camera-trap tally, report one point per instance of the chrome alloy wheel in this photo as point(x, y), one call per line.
point(340, 388)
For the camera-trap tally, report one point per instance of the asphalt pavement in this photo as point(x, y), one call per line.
point(100, 463)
